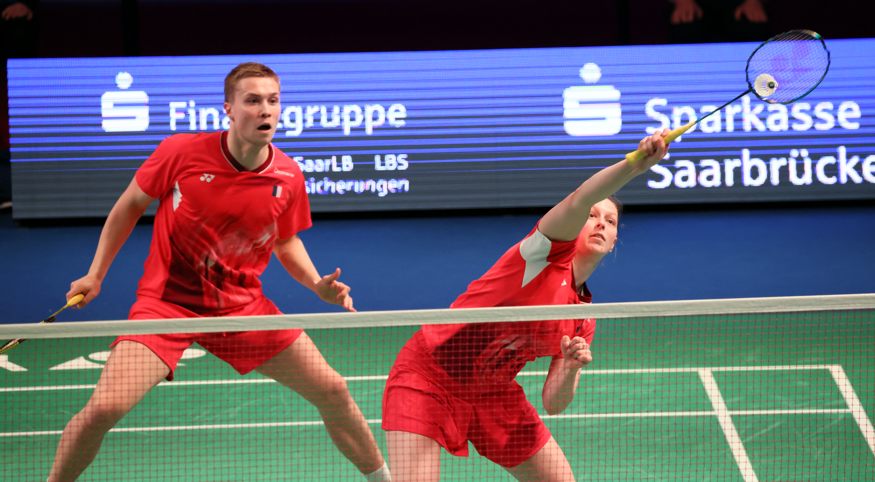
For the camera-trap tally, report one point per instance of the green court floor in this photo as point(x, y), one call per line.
point(772, 397)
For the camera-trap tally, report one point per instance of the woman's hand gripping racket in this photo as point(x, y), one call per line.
point(782, 70)
point(75, 300)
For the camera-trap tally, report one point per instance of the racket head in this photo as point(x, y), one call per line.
point(788, 66)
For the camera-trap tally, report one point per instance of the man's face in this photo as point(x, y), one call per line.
point(255, 109)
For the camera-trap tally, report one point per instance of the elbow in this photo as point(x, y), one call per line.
point(553, 408)
point(281, 246)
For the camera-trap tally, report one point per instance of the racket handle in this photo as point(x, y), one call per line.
point(10, 345)
point(75, 300)
point(637, 155)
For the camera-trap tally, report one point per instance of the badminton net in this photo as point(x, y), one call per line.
point(741, 389)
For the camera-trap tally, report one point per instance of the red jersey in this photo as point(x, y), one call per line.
point(535, 271)
point(216, 224)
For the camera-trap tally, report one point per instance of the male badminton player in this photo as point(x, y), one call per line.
point(227, 201)
point(454, 384)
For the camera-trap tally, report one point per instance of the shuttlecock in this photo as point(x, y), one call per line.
point(765, 85)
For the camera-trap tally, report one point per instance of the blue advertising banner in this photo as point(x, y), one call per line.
point(455, 129)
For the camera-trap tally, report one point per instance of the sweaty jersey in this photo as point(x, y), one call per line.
point(535, 271)
point(216, 223)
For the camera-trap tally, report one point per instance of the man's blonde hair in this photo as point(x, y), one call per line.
point(245, 70)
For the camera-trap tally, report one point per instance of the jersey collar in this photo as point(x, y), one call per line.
point(239, 167)
point(584, 294)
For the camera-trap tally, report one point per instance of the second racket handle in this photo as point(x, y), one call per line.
point(75, 300)
point(637, 155)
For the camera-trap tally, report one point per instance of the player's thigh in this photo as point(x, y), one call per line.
point(413, 457)
point(547, 465)
point(302, 368)
point(130, 372)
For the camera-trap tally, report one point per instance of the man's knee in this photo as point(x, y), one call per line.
point(333, 393)
point(104, 412)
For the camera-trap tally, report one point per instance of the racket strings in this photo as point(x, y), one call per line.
point(797, 60)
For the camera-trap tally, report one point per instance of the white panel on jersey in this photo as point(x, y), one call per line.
point(177, 196)
point(534, 250)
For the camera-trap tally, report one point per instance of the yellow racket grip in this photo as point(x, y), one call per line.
point(75, 300)
point(637, 155)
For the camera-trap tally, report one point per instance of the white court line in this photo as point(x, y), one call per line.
point(800, 411)
point(184, 428)
point(841, 379)
point(376, 421)
point(620, 371)
point(724, 418)
point(173, 384)
point(700, 413)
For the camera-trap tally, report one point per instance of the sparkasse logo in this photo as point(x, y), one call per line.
point(592, 110)
point(124, 110)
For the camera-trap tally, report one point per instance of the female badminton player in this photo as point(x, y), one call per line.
point(452, 384)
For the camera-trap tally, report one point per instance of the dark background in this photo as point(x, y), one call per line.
point(187, 27)
point(423, 260)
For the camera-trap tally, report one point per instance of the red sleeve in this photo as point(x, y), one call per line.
point(588, 330)
point(583, 328)
point(296, 217)
point(158, 173)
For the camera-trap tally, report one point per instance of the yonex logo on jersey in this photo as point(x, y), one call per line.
point(564, 283)
point(207, 177)
point(124, 110)
point(592, 110)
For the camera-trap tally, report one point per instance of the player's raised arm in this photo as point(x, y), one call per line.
point(564, 221)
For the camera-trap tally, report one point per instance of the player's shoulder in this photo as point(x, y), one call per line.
point(285, 165)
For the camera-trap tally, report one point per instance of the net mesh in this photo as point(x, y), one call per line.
point(797, 61)
point(753, 389)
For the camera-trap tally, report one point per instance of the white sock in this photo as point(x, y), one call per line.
point(380, 475)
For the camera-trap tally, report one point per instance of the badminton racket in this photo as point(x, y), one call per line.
point(71, 302)
point(781, 70)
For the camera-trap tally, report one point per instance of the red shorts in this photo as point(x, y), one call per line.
point(421, 398)
point(243, 350)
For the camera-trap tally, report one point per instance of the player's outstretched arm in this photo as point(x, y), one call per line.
point(564, 221)
point(124, 215)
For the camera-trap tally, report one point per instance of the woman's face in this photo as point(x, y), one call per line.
point(599, 234)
